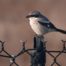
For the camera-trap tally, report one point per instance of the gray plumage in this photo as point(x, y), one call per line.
point(41, 24)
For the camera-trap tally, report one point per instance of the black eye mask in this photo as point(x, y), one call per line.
point(32, 16)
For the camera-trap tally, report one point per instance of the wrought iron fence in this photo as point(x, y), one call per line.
point(37, 54)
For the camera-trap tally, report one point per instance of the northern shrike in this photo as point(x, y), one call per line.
point(40, 24)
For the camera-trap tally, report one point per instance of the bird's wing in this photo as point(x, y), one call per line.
point(51, 26)
point(47, 24)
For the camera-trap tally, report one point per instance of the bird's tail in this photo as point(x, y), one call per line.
point(60, 30)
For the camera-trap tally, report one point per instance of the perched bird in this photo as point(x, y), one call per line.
point(41, 24)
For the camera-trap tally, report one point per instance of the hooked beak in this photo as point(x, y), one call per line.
point(28, 16)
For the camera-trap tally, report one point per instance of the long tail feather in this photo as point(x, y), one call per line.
point(60, 30)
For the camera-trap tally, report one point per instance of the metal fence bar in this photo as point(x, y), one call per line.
point(37, 53)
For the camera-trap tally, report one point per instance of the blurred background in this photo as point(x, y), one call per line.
point(15, 27)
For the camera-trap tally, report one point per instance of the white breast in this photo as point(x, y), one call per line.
point(37, 28)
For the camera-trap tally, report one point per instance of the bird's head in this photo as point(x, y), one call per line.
point(34, 15)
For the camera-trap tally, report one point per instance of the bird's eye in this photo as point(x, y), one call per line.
point(36, 16)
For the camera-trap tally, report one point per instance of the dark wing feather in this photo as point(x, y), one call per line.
point(51, 26)
point(48, 25)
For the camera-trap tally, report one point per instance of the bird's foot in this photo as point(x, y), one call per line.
point(41, 37)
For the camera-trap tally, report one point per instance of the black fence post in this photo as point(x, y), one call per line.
point(40, 51)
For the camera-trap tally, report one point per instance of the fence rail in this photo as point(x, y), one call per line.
point(37, 54)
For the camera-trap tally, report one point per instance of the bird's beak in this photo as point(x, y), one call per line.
point(28, 16)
